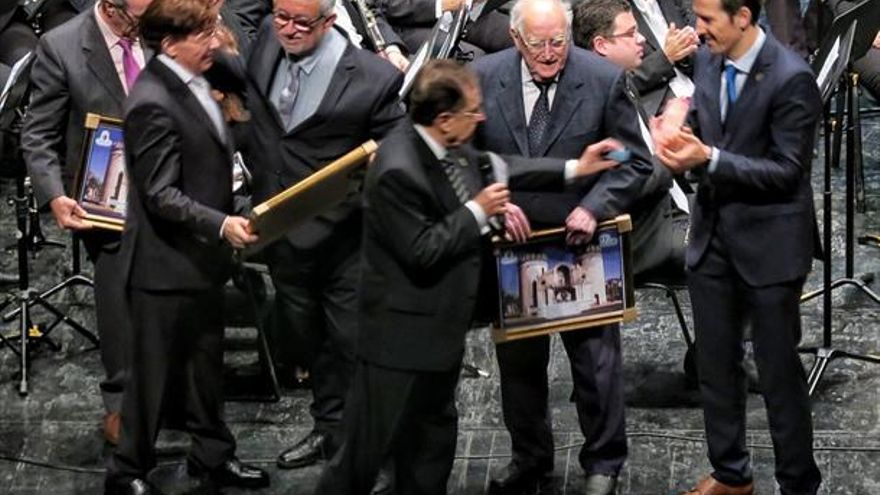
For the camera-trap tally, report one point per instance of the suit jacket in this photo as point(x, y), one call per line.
point(423, 253)
point(7, 11)
point(180, 175)
point(590, 104)
point(251, 13)
point(652, 77)
point(72, 75)
point(361, 103)
point(758, 201)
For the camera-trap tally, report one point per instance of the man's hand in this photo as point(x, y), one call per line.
point(68, 214)
point(876, 43)
point(452, 5)
point(689, 153)
point(516, 224)
point(394, 55)
point(237, 232)
point(680, 42)
point(493, 199)
point(581, 225)
point(593, 161)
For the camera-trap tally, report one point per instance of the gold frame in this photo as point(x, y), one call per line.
point(623, 226)
point(93, 217)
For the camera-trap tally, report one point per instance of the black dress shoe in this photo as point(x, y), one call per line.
point(129, 486)
point(309, 450)
point(515, 479)
point(231, 473)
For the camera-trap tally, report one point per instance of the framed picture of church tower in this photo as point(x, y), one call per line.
point(102, 186)
point(546, 286)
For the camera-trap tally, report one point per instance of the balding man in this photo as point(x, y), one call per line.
point(86, 66)
point(313, 98)
point(548, 98)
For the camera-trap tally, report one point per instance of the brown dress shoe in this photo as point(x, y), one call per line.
point(711, 486)
point(111, 428)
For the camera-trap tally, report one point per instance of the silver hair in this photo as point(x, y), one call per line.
point(516, 13)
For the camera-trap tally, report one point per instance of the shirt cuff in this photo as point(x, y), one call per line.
point(438, 8)
point(713, 161)
point(392, 49)
point(223, 226)
point(570, 173)
point(479, 216)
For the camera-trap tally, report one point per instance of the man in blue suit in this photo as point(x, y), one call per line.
point(752, 238)
point(549, 99)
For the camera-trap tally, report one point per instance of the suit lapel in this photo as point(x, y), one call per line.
point(437, 180)
point(342, 76)
point(565, 103)
point(710, 89)
point(510, 99)
point(262, 64)
point(752, 87)
point(99, 62)
point(190, 102)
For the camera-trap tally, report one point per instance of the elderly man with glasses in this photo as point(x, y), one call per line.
point(552, 99)
point(313, 97)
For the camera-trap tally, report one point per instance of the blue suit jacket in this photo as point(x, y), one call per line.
point(758, 200)
point(590, 104)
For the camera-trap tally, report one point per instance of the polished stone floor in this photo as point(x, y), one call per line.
point(50, 441)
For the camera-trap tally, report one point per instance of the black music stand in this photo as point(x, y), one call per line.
point(13, 103)
point(848, 39)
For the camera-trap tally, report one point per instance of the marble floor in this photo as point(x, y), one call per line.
point(50, 442)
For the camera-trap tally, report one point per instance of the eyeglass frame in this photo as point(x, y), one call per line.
point(282, 19)
point(538, 46)
point(629, 33)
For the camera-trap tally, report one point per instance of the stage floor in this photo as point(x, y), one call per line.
point(59, 422)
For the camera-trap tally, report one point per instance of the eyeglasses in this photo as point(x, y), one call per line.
point(207, 33)
point(630, 33)
point(555, 43)
point(282, 19)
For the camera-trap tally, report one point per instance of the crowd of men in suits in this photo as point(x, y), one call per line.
point(374, 295)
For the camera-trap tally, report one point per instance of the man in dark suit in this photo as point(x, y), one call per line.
point(550, 99)
point(252, 13)
point(754, 118)
point(87, 65)
point(177, 246)
point(23, 21)
point(424, 242)
point(314, 97)
point(414, 20)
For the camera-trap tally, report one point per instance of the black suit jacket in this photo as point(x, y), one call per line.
point(590, 104)
point(652, 77)
point(423, 253)
point(180, 175)
point(361, 103)
point(758, 200)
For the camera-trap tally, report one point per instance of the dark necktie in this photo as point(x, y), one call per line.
point(453, 167)
point(540, 119)
point(287, 99)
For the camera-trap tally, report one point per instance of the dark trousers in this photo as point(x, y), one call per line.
point(18, 37)
point(176, 362)
point(408, 417)
point(315, 318)
point(111, 313)
point(723, 306)
point(596, 370)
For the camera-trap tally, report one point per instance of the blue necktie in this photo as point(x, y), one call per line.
point(730, 76)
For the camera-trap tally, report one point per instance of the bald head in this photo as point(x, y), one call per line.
point(541, 31)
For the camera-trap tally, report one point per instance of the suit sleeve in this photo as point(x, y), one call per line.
point(418, 240)
point(535, 174)
point(42, 138)
point(153, 144)
point(387, 110)
point(619, 188)
point(794, 113)
point(655, 71)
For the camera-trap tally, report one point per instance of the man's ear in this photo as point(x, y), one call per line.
point(600, 45)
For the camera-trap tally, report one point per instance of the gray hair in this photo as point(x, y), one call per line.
point(517, 22)
point(325, 7)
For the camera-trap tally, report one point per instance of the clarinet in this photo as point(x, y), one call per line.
point(372, 27)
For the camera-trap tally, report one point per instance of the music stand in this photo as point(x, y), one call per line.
point(846, 41)
point(13, 107)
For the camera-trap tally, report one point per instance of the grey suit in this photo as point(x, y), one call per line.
point(73, 75)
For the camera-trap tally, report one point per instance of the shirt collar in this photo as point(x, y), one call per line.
point(438, 149)
point(182, 72)
point(330, 43)
point(527, 75)
point(744, 64)
point(107, 33)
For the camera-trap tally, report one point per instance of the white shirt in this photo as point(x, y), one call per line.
point(112, 41)
point(681, 84)
point(531, 92)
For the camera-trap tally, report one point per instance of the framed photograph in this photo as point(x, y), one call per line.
point(102, 188)
point(546, 286)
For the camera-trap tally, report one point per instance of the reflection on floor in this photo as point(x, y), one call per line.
point(58, 423)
